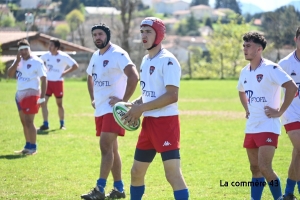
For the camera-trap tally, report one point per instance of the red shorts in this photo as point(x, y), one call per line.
point(292, 126)
point(260, 139)
point(56, 88)
point(28, 105)
point(107, 123)
point(161, 134)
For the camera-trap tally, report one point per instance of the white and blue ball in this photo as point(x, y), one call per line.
point(119, 110)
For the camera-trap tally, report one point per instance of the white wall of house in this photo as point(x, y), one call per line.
point(168, 7)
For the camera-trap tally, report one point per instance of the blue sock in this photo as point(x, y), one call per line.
point(136, 192)
point(290, 185)
point(33, 146)
point(257, 189)
point(298, 183)
point(275, 188)
point(119, 185)
point(46, 123)
point(181, 194)
point(101, 183)
point(27, 145)
point(62, 122)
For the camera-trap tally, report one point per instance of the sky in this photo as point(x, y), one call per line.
point(265, 5)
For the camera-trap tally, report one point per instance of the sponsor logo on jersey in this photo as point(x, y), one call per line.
point(58, 60)
point(20, 78)
point(293, 73)
point(146, 93)
point(251, 99)
point(259, 77)
point(297, 93)
point(99, 83)
point(52, 69)
point(105, 62)
point(152, 68)
point(28, 66)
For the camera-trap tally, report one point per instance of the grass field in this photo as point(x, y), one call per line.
point(67, 163)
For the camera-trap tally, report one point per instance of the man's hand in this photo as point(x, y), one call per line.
point(271, 112)
point(113, 100)
point(132, 116)
point(93, 104)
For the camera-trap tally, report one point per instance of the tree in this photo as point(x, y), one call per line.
point(127, 8)
point(208, 22)
point(224, 47)
point(199, 2)
point(231, 4)
point(67, 6)
point(7, 21)
point(62, 31)
point(75, 20)
point(188, 27)
point(280, 26)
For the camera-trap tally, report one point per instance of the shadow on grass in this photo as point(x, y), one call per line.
point(46, 132)
point(11, 156)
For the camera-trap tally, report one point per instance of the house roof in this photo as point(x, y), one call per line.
point(101, 10)
point(7, 37)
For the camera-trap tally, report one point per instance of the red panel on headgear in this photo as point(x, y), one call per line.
point(158, 26)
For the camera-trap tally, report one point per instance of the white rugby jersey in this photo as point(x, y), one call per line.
point(28, 73)
point(108, 75)
point(56, 64)
point(291, 65)
point(155, 74)
point(263, 88)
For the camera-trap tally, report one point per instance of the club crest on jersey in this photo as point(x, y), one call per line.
point(152, 68)
point(58, 60)
point(28, 66)
point(105, 62)
point(259, 77)
point(293, 73)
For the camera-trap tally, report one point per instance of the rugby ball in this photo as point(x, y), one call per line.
point(119, 110)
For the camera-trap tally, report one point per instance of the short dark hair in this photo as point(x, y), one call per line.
point(23, 42)
point(56, 42)
point(256, 38)
point(298, 32)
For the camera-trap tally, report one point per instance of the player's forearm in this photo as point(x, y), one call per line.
point(243, 100)
point(290, 91)
point(90, 87)
point(43, 86)
point(131, 86)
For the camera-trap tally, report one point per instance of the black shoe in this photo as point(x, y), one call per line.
point(94, 194)
point(289, 197)
point(115, 194)
point(44, 128)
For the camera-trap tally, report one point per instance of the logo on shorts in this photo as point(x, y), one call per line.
point(58, 60)
point(293, 73)
point(166, 143)
point(259, 77)
point(269, 140)
point(28, 66)
point(105, 62)
point(152, 68)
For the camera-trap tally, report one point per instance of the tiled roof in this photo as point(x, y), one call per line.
point(10, 36)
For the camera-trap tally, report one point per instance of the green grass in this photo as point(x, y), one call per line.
point(67, 163)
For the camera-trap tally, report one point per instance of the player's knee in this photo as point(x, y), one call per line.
point(264, 168)
point(173, 177)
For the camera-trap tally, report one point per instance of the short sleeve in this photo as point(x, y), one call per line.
point(171, 72)
point(124, 60)
point(278, 75)
point(89, 69)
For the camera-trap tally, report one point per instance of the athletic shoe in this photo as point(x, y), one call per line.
point(115, 194)
point(62, 127)
point(23, 151)
point(289, 197)
point(43, 128)
point(94, 194)
point(31, 152)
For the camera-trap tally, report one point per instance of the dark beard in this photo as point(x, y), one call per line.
point(100, 46)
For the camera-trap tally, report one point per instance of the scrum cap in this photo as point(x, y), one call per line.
point(158, 26)
point(105, 28)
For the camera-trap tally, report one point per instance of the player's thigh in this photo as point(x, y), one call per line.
point(59, 101)
point(253, 156)
point(265, 155)
point(107, 140)
point(295, 138)
point(172, 167)
point(29, 118)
